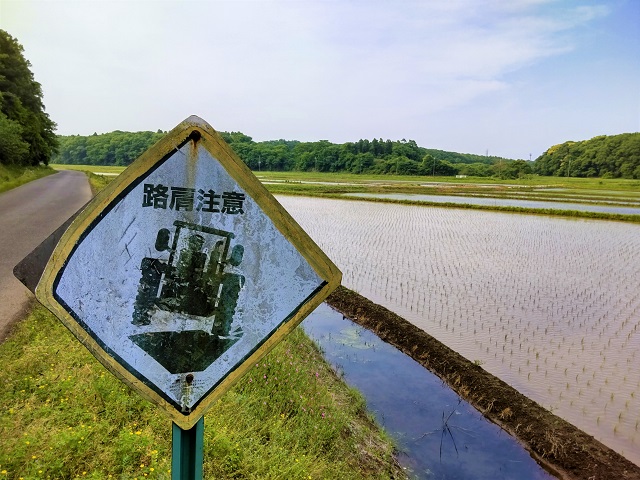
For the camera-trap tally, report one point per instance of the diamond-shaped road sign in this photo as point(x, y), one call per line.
point(183, 272)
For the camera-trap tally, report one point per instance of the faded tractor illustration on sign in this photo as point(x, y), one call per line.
point(195, 281)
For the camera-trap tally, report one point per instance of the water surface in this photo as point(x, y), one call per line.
point(549, 305)
point(500, 202)
point(440, 435)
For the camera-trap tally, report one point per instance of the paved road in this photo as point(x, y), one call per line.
point(28, 215)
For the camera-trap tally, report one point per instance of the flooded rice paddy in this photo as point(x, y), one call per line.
point(632, 209)
point(439, 435)
point(549, 305)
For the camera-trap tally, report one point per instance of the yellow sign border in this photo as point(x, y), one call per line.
point(197, 130)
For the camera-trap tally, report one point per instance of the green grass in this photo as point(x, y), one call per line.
point(607, 196)
point(12, 177)
point(98, 182)
point(62, 415)
point(404, 183)
point(90, 168)
point(528, 181)
point(611, 192)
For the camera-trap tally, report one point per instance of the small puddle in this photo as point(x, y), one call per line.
point(439, 435)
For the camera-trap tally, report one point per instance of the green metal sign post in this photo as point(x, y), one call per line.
point(187, 447)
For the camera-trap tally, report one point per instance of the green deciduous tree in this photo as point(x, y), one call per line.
point(606, 155)
point(21, 104)
point(114, 148)
point(13, 150)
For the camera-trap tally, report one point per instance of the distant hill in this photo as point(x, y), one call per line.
point(402, 157)
point(608, 156)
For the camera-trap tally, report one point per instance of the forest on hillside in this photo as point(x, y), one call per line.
point(613, 156)
point(606, 156)
point(401, 157)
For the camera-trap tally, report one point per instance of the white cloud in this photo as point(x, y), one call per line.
point(296, 69)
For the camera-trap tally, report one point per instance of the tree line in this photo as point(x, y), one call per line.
point(114, 148)
point(401, 157)
point(27, 135)
point(27, 138)
point(613, 156)
point(616, 156)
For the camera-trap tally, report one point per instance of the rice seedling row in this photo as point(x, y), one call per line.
point(549, 305)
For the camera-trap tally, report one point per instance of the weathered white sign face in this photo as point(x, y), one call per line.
point(183, 275)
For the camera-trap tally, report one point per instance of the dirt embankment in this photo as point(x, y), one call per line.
point(558, 446)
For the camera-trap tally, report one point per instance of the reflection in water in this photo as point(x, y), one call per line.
point(440, 435)
point(550, 305)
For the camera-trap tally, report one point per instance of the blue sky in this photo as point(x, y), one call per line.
point(507, 77)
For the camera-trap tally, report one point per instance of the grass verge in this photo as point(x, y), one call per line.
point(97, 182)
point(109, 170)
point(62, 415)
point(12, 177)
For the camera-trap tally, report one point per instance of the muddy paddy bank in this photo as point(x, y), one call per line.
point(558, 446)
